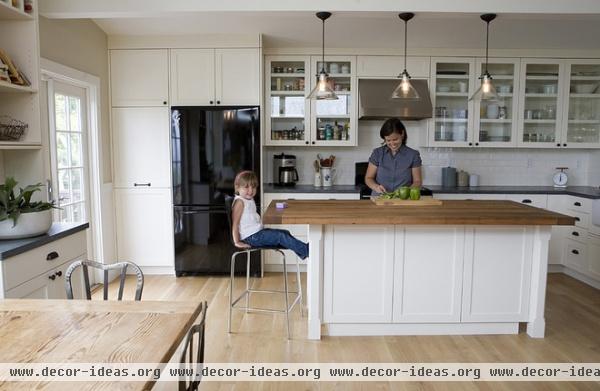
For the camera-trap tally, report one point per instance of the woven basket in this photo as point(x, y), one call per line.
point(11, 129)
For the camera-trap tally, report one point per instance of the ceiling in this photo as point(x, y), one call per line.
point(573, 24)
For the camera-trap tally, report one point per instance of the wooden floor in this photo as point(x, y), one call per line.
point(572, 335)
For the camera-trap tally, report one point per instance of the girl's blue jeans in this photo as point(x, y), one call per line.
point(269, 237)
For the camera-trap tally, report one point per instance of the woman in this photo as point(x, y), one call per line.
point(393, 164)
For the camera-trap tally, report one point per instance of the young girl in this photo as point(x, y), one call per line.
point(247, 227)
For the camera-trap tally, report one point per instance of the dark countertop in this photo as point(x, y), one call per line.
point(270, 188)
point(10, 248)
point(578, 191)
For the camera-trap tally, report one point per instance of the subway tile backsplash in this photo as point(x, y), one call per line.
point(495, 166)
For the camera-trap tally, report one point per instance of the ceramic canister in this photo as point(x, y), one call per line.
point(448, 176)
point(473, 180)
point(463, 178)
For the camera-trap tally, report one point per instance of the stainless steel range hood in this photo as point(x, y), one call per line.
point(375, 102)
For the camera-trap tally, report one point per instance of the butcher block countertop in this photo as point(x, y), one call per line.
point(451, 212)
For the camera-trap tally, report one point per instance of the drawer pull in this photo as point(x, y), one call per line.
point(526, 201)
point(52, 277)
point(577, 203)
point(58, 273)
point(51, 256)
point(142, 184)
point(575, 233)
point(577, 219)
point(575, 252)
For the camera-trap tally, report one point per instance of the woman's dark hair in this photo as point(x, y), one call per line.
point(393, 125)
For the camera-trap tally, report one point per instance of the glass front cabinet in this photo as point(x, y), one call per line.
point(460, 122)
point(582, 113)
point(291, 119)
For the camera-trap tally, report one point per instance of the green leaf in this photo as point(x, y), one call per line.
point(11, 206)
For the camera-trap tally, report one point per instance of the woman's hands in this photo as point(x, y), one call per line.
point(379, 188)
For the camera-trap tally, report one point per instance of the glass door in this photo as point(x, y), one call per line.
point(452, 85)
point(495, 122)
point(583, 109)
point(541, 89)
point(286, 89)
point(334, 122)
point(68, 140)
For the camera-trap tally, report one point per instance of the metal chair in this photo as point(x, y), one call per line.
point(297, 294)
point(190, 382)
point(122, 266)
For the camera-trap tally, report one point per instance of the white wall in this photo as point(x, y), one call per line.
point(496, 166)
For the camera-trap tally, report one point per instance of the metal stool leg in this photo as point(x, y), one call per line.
point(231, 292)
point(247, 280)
point(299, 285)
point(285, 288)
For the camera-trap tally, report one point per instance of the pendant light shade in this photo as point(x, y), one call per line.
point(405, 89)
point(486, 91)
point(322, 90)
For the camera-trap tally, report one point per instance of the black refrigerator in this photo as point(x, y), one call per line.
point(209, 146)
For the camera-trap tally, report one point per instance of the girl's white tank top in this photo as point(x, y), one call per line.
point(250, 222)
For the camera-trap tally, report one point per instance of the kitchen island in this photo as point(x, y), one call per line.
point(463, 267)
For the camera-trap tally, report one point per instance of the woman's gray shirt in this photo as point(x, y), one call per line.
point(394, 171)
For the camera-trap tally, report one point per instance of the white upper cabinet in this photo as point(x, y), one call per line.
point(237, 76)
point(192, 77)
point(223, 77)
point(392, 66)
point(141, 147)
point(542, 90)
point(139, 77)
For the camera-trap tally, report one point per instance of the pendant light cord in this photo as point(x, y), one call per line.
point(405, 40)
point(487, 45)
point(323, 48)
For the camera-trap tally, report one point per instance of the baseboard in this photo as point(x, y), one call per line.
point(581, 277)
point(279, 268)
point(366, 329)
point(158, 270)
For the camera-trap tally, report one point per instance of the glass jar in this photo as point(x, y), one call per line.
point(321, 135)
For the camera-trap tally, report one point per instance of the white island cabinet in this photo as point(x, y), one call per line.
point(463, 267)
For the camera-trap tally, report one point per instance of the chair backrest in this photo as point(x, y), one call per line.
point(122, 266)
point(186, 382)
point(228, 209)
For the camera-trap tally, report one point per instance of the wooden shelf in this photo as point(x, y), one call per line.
point(283, 92)
point(539, 121)
point(495, 121)
point(8, 12)
point(541, 77)
point(593, 96)
point(459, 120)
point(453, 94)
point(540, 95)
point(8, 87)
point(18, 145)
point(287, 75)
point(455, 77)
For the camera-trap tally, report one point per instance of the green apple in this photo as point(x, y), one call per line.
point(404, 192)
point(415, 193)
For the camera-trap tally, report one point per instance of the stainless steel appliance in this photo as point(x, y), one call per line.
point(374, 100)
point(209, 146)
point(284, 170)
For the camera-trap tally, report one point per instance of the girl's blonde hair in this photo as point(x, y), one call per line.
point(245, 178)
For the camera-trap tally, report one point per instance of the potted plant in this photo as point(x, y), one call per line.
point(19, 216)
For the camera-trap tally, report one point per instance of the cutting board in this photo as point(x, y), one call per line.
point(424, 201)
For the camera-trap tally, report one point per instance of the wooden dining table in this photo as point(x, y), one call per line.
point(84, 331)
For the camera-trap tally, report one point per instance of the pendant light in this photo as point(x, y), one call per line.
point(322, 90)
point(405, 90)
point(486, 92)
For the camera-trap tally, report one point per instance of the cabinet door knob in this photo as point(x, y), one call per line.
point(51, 256)
point(164, 102)
point(526, 201)
point(476, 144)
point(564, 145)
point(577, 219)
point(58, 273)
point(558, 145)
point(218, 102)
point(577, 203)
point(575, 233)
point(470, 144)
point(142, 184)
point(211, 102)
point(575, 252)
point(306, 142)
point(313, 143)
point(52, 277)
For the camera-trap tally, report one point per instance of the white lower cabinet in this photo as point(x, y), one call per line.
point(575, 256)
point(300, 231)
point(426, 274)
point(422, 295)
point(144, 222)
point(496, 276)
point(362, 289)
point(40, 272)
point(593, 256)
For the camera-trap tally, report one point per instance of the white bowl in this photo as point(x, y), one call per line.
point(583, 88)
point(28, 224)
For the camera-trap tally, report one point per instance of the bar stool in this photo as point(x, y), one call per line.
point(246, 293)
